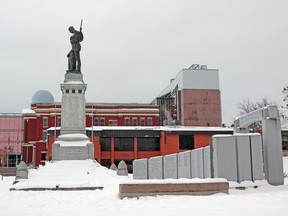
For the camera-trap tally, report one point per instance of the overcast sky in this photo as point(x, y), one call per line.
point(132, 48)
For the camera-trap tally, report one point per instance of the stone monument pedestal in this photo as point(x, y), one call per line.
point(72, 147)
point(73, 104)
point(73, 144)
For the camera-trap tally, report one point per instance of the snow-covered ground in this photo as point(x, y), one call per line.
point(265, 200)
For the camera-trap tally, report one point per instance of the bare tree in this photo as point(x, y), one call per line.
point(284, 108)
point(247, 106)
point(3, 156)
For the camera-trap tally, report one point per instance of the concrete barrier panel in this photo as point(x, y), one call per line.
point(257, 157)
point(140, 169)
point(155, 168)
point(243, 157)
point(207, 162)
point(170, 166)
point(184, 165)
point(197, 166)
point(273, 160)
point(224, 157)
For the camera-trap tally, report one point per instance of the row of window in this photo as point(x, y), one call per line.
point(111, 122)
point(127, 144)
point(45, 122)
point(127, 122)
point(186, 142)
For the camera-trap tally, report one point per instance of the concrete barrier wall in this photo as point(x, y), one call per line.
point(140, 169)
point(155, 168)
point(197, 163)
point(184, 165)
point(238, 157)
point(207, 162)
point(243, 157)
point(257, 157)
point(233, 157)
point(170, 164)
point(224, 157)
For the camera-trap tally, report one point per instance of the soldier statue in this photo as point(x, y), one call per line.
point(74, 62)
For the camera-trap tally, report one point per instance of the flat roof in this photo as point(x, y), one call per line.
point(157, 128)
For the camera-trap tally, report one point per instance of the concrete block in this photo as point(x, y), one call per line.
point(140, 169)
point(197, 163)
point(273, 161)
point(257, 157)
point(155, 168)
point(184, 165)
point(170, 166)
point(243, 157)
point(122, 169)
point(154, 189)
point(224, 157)
point(207, 162)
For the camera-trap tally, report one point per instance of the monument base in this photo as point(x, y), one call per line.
point(167, 187)
point(72, 147)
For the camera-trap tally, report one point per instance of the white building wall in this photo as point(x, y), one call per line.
point(194, 79)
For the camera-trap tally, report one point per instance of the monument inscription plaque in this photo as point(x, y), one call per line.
point(155, 170)
point(140, 169)
point(170, 166)
point(184, 165)
point(197, 166)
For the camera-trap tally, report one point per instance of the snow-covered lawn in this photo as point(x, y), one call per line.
point(265, 200)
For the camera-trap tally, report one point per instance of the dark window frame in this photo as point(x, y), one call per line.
point(123, 144)
point(148, 144)
point(186, 142)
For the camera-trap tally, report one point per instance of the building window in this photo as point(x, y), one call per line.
point(186, 142)
point(59, 122)
point(43, 156)
point(73, 91)
point(148, 144)
point(95, 122)
point(45, 122)
point(127, 122)
point(44, 135)
point(67, 91)
point(149, 122)
point(80, 91)
point(284, 142)
point(134, 123)
point(102, 122)
point(124, 144)
point(142, 122)
point(105, 143)
point(113, 122)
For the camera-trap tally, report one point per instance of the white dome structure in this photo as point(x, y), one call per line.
point(42, 97)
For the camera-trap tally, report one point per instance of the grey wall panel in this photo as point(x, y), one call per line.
point(184, 164)
point(140, 169)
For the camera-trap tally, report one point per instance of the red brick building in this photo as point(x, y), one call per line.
point(113, 144)
point(130, 131)
point(192, 98)
point(11, 135)
point(45, 113)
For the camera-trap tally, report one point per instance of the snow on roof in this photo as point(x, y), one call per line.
point(156, 128)
point(28, 111)
point(162, 128)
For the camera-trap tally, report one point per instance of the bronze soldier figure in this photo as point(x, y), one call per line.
point(74, 61)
